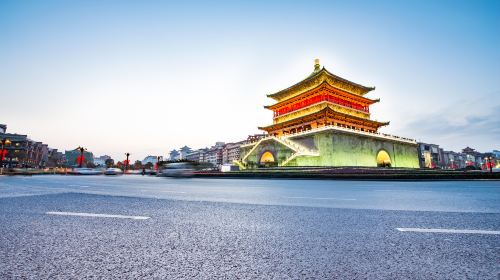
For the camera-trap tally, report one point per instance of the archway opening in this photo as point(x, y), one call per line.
point(383, 159)
point(267, 158)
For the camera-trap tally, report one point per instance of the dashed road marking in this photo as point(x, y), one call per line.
point(319, 198)
point(446, 230)
point(173, 192)
point(79, 186)
point(97, 215)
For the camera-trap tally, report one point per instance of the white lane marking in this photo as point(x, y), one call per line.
point(79, 186)
point(401, 191)
point(321, 198)
point(97, 215)
point(173, 192)
point(446, 230)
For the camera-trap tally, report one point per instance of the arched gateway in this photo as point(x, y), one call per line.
point(267, 157)
point(383, 159)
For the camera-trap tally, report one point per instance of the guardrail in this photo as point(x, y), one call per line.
point(355, 131)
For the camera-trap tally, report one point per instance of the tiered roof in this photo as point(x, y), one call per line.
point(319, 76)
point(326, 112)
point(323, 85)
point(300, 102)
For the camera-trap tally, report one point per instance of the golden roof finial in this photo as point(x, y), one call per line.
point(316, 64)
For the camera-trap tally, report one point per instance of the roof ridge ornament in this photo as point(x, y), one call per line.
point(317, 66)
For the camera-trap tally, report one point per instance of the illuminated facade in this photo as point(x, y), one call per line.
point(324, 120)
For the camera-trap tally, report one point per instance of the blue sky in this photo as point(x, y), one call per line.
point(148, 76)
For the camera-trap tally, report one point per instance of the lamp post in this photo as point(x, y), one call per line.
point(3, 152)
point(489, 164)
point(82, 158)
point(126, 162)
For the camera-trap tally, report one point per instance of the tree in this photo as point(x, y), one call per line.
point(137, 165)
point(109, 162)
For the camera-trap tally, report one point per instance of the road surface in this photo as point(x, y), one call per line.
point(63, 227)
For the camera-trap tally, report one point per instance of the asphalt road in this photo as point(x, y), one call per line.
point(63, 227)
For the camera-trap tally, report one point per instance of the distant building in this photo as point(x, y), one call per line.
point(496, 158)
point(473, 158)
point(72, 156)
point(151, 159)
point(496, 154)
point(214, 154)
point(18, 153)
point(453, 160)
point(55, 158)
point(430, 155)
point(174, 155)
point(231, 152)
point(101, 161)
point(22, 151)
point(184, 151)
point(199, 155)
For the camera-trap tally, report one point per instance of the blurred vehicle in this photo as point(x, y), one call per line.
point(148, 172)
point(494, 170)
point(85, 171)
point(113, 171)
point(133, 172)
point(177, 169)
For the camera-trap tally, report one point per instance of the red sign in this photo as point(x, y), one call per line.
point(3, 153)
point(80, 159)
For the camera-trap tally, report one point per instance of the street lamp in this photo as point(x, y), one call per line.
point(489, 163)
point(126, 162)
point(157, 163)
point(3, 152)
point(82, 158)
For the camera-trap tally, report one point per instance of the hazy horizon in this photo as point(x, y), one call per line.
point(147, 77)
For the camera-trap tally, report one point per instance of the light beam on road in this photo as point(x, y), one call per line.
point(97, 215)
point(446, 230)
point(319, 198)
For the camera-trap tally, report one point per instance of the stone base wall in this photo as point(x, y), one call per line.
point(339, 149)
point(342, 149)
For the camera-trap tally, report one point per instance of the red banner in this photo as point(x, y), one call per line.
point(80, 159)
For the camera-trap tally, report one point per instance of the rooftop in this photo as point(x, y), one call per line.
point(319, 75)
